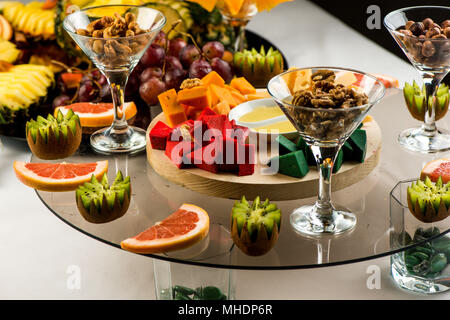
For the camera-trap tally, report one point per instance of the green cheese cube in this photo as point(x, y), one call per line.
point(347, 149)
point(293, 164)
point(358, 141)
point(338, 162)
point(285, 145)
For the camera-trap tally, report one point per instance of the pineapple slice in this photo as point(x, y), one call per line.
point(8, 51)
point(24, 85)
point(31, 19)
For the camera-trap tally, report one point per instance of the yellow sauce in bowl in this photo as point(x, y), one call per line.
point(277, 127)
point(261, 113)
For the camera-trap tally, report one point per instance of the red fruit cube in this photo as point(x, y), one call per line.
point(159, 135)
point(241, 133)
point(246, 159)
point(246, 169)
point(206, 157)
point(218, 122)
point(206, 112)
point(178, 151)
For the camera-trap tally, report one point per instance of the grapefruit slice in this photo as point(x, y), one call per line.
point(58, 176)
point(94, 115)
point(183, 228)
point(436, 168)
point(387, 81)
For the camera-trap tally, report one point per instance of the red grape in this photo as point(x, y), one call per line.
point(94, 75)
point(87, 92)
point(199, 69)
point(175, 46)
point(154, 56)
point(102, 80)
point(150, 73)
point(222, 68)
point(173, 63)
point(160, 39)
point(188, 55)
point(150, 89)
point(61, 100)
point(174, 77)
point(213, 49)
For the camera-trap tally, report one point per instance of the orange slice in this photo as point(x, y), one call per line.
point(234, 6)
point(58, 176)
point(268, 4)
point(436, 168)
point(97, 114)
point(183, 228)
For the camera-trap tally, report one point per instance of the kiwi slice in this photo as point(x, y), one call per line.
point(99, 202)
point(54, 137)
point(255, 227)
point(258, 67)
point(428, 201)
point(415, 97)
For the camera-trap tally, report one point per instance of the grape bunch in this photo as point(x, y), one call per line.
point(166, 63)
point(82, 86)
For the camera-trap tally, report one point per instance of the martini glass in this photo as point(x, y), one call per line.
point(238, 20)
point(325, 130)
point(431, 58)
point(116, 57)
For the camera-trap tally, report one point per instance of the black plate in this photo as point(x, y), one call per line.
point(143, 117)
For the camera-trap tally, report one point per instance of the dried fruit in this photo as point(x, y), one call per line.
point(255, 227)
point(99, 202)
point(54, 138)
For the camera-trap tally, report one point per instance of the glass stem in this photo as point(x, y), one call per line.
point(325, 157)
point(239, 31)
point(431, 82)
point(117, 81)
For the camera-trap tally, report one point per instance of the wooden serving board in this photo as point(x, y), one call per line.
point(276, 187)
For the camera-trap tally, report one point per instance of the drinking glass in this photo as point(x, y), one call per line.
point(431, 58)
point(422, 260)
point(238, 20)
point(325, 130)
point(116, 57)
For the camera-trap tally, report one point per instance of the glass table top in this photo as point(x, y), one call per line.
point(154, 198)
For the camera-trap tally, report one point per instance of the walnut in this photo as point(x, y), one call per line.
point(129, 17)
point(82, 32)
point(97, 34)
point(302, 98)
point(327, 75)
point(119, 47)
point(191, 83)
